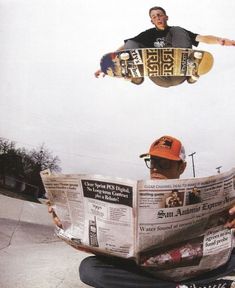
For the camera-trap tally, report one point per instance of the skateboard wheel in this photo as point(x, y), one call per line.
point(124, 56)
point(195, 77)
point(198, 55)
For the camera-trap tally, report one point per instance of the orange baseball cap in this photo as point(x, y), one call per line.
point(167, 147)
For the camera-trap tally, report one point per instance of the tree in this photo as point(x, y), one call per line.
point(6, 146)
point(26, 165)
point(36, 161)
point(43, 159)
point(10, 161)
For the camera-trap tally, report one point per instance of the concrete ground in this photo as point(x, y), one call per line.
point(30, 254)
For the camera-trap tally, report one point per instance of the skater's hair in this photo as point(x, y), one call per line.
point(157, 8)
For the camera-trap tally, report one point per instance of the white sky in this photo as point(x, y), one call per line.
point(49, 50)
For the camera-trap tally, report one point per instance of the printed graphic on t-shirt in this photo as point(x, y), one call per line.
point(160, 42)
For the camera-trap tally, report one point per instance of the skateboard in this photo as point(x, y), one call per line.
point(154, 62)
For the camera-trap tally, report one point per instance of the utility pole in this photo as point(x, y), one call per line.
point(218, 169)
point(191, 155)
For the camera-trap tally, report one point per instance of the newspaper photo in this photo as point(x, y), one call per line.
point(172, 228)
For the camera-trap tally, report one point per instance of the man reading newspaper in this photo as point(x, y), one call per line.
point(165, 160)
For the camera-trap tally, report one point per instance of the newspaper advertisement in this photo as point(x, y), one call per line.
point(95, 211)
point(172, 228)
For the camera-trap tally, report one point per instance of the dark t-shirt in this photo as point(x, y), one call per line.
point(153, 38)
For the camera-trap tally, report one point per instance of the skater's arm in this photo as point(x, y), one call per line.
point(210, 39)
point(120, 48)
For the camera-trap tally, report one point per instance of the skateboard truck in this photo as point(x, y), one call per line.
point(193, 62)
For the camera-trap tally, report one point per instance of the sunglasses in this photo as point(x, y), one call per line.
point(159, 163)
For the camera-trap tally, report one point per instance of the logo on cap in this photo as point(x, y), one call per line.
point(164, 143)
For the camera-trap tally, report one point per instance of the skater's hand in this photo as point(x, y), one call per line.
point(55, 218)
point(99, 73)
point(226, 42)
point(231, 222)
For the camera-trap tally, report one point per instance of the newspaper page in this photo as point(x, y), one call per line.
point(95, 211)
point(172, 228)
point(181, 230)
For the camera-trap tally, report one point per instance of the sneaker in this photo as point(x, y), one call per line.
point(192, 79)
point(137, 81)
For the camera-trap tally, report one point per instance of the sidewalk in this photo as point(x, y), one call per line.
point(30, 254)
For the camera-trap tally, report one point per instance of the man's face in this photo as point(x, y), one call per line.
point(161, 168)
point(159, 19)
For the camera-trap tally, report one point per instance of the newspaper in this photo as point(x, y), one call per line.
point(174, 229)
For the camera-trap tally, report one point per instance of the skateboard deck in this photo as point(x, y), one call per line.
point(154, 62)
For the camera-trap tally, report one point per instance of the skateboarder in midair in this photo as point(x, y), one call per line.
point(162, 36)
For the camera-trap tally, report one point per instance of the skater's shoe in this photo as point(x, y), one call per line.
point(192, 79)
point(137, 81)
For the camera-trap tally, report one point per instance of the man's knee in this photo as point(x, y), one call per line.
point(87, 271)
